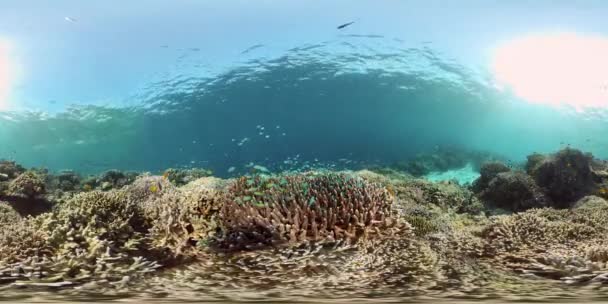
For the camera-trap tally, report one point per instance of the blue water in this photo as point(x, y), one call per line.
point(146, 87)
point(337, 102)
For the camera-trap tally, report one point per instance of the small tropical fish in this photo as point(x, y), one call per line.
point(166, 175)
point(70, 19)
point(87, 187)
point(345, 25)
point(251, 48)
point(260, 168)
point(154, 188)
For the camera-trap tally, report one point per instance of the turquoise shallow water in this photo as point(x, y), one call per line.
point(345, 103)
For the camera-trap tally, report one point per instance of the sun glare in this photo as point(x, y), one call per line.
point(558, 69)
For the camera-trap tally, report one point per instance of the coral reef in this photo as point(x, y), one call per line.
point(28, 184)
point(514, 191)
point(444, 196)
point(320, 234)
point(148, 187)
point(488, 171)
point(95, 236)
point(555, 244)
point(179, 218)
point(111, 179)
point(180, 177)
point(590, 201)
point(264, 211)
point(558, 180)
point(8, 214)
point(10, 170)
point(19, 240)
point(565, 176)
point(534, 160)
point(67, 180)
point(443, 159)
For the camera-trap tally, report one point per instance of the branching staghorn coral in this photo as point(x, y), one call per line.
point(394, 263)
point(8, 215)
point(21, 239)
point(95, 236)
point(397, 260)
point(108, 215)
point(549, 243)
point(263, 211)
point(182, 218)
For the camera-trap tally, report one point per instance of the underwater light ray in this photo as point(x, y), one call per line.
point(556, 69)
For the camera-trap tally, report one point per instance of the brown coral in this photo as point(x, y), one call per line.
point(549, 243)
point(28, 184)
point(514, 191)
point(8, 215)
point(566, 176)
point(107, 216)
point(261, 211)
point(487, 172)
point(21, 239)
point(10, 169)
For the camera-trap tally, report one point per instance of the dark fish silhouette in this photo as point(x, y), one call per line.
point(345, 25)
point(251, 48)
